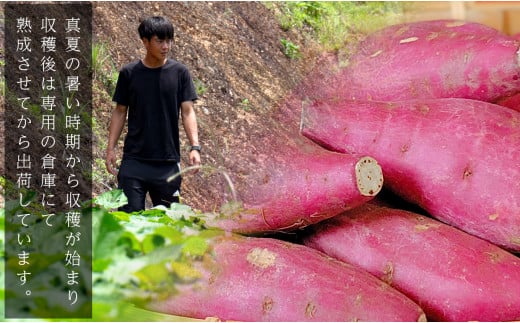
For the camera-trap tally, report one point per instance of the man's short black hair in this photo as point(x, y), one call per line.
point(156, 25)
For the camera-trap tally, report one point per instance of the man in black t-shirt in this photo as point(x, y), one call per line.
point(153, 92)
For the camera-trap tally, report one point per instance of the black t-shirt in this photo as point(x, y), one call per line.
point(153, 97)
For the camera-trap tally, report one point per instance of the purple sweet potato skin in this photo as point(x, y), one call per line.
point(458, 159)
point(263, 279)
point(452, 275)
point(433, 59)
point(300, 184)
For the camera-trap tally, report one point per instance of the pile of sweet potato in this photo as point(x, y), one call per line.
point(431, 107)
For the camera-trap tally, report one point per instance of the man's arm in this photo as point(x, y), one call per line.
point(117, 122)
point(189, 121)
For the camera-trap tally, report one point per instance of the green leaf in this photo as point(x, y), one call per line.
point(131, 244)
point(153, 275)
point(154, 212)
point(121, 270)
point(164, 254)
point(152, 241)
point(120, 215)
point(106, 232)
point(179, 211)
point(185, 271)
point(195, 246)
point(173, 235)
point(141, 226)
point(111, 199)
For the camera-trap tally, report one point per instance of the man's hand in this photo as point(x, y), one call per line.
point(117, 122)
point(110, 162)
point(194, 160)
point(189, 120)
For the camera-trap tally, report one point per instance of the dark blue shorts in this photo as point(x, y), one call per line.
point(137, 178)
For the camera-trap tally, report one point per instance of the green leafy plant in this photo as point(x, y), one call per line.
point(290, 49)
point(200, 87)
point(103, 67)
point(135, 257)
point(335, 23)
point(142, 256)
point(298, 14)
point(99, 57)
point(306, 12)
point(245, 104)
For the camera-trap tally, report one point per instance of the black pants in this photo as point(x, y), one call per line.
point(137, 178)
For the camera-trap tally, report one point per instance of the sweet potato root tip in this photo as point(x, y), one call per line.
point(369, 176)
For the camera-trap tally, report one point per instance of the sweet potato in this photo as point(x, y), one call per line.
point(264, 279)
point(433, 59)
point(452, 275)
point(458, 159)
point(512, 102)
point(300, 183)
